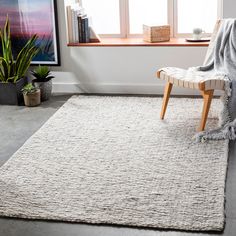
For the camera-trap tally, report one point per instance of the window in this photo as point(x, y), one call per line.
point(191, 14)
point(151, 12)
point(104, 14)
point(124, 18)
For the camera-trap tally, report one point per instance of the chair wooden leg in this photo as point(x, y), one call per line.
point(167, 92)
point(207, 96)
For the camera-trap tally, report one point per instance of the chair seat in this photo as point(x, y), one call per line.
point(191, 78)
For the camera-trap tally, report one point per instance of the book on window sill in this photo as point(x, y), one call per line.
point(79, 18)
point(85, 30)
point(75, 26)
point(82, 28)
point(72, 9)
point(94, 38)
point(78, 26)
point(69, 24)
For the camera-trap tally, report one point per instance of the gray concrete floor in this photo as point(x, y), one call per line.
point(17, 124)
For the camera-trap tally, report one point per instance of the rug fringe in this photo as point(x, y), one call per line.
point(227, 129)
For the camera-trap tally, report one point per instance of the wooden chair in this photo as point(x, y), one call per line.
point(175, 76)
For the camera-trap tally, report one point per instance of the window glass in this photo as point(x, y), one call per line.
point(196, 14)
point(150, 12)
point(105, 15)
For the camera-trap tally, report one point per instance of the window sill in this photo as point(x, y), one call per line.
point(135, 42)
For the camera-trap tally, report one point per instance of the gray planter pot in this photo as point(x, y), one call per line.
point(45, 88)
point(10, 93)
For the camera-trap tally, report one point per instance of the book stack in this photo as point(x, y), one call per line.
point(78, 25)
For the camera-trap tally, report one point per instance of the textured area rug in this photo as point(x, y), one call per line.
point(112, 160)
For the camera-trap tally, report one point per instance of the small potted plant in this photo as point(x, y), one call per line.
point(13, 68)
point(43, 80)
point(31, 95)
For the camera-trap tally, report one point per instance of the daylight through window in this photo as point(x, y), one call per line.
point(125, 18)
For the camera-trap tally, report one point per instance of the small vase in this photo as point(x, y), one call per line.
point(45, 87)
point(32, 99)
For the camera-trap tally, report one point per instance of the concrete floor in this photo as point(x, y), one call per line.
point(17, 124)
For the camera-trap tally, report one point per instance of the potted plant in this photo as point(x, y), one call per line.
point(31, 95)
point(13, 69)
point(43, 80)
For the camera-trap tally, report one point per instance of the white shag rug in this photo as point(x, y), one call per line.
point(112, 160)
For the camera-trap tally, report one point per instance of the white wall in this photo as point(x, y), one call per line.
point(129, 70)
point(229, 8)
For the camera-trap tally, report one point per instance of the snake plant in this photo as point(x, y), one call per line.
point(12, 69)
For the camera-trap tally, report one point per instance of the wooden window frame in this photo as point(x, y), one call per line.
point(172, 20)
point(175, 21)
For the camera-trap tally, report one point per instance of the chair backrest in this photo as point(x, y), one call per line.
point(213, 39)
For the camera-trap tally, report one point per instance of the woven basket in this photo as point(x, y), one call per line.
point(154, 34)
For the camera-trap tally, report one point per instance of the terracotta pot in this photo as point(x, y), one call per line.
point(32, 99)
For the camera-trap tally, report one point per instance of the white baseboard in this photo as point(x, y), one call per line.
point(117, 88)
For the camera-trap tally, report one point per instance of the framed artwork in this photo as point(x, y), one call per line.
point(28, 17)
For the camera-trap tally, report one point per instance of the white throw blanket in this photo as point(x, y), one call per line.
point(222, 62)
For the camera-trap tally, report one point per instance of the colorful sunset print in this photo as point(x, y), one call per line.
point(28, 17)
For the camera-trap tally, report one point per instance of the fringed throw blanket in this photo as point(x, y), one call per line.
point(222, 62)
